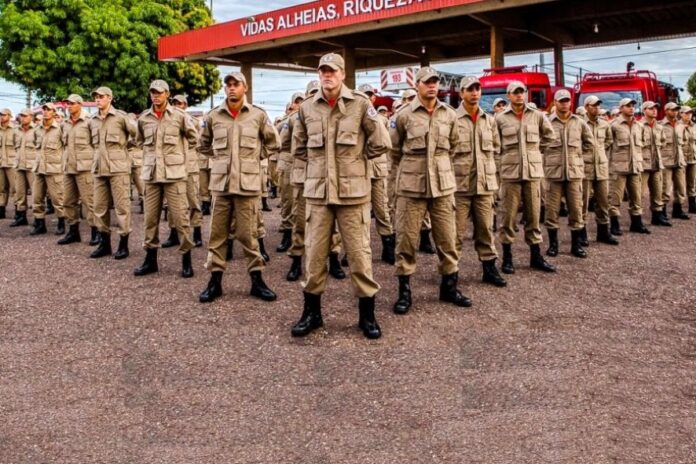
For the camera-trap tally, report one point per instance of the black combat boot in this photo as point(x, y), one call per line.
point(491, 275)
point(122, 250)
point(537, 261)
point(186, 266)
point(39, 227)
point(60, 229)
point(264, 204)
point(425, 245)
point(311, 316)
point(142, 206)
point(2, 212)
point(615, 226)
point(450, 293)
point(692, 205)
point(659, 219)
point(678, 212)
point(205, 208)
point(604, 236)
point(637, 225)
point(259, 288)
point(335, 269)
point(214, 288)
point(553, 242)
point(576, 248)
point(388, 245)
point(73, 235)
point(104, 246)
point(285, 242)
point(542, 214)
point(295, 269)
point(273, 192)
point(20, 219)
point(229, 254)
point(367, 322)
point(150, 265)
point(508, 267)
point(197, 238)
point(584, 241)
point(262, 250)
point(172, 240)
point(49, 206)
point(94, 236)
point(563, 211)
point(403, 301)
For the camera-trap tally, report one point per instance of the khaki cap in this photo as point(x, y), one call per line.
point(367, 88)
point(103, 91)
point(686, 109)
point(426, 73)
point(312, 86)
point(626, 102)
point(408, 93)
point(561, 94)
point(180, 98)
point(333, 61)
point(592, 100)
point(48, 106)
point(614, 112)
point(514, 85)
point(468, 81)
point(498, 101)
point(159, 85)
point(672, 106)
point(26, 112)
point(74, 98)
point(237, 76)
point(581, 110)
point(297, 95)
point(382, 108)
point(6, 111)
point(649, 104)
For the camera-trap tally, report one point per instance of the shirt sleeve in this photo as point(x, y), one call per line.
point(269, 137)
point(377, 143)
point(299, 137)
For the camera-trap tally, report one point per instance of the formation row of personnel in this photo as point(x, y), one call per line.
point(339, 160)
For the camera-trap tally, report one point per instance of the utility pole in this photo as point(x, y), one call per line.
point(28, 97)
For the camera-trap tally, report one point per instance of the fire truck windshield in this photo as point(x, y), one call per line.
point(488, 96)
point(610, 99)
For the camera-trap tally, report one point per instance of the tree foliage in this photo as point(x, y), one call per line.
point(59, 47)
point(691, 88)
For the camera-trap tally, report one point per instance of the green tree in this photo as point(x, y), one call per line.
point(59, 47)
point(691, 88)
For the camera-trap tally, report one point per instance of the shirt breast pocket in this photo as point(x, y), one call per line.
point(416, 138)
point(347, 131)
point(315, 133)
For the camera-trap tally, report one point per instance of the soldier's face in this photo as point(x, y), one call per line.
point(628, 110)
point(671, 114)
point(499, 107)
point(48, 114)
point(5, 119)
point(563, 106)
point(296, 104)
point(330, 78)
point(593, 110)
point(25, 119)
point(180, 105)
point(651, 112)
point(427, 90)
point(235, 90)
point(102, 101)
point(158, 98)
point(74, 108)
point(518, 97)
point(471, 95)
point(686, 117)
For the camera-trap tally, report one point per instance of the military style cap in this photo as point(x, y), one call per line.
point(159, 85)
point(74, 98)
point(237, 76)
point(514, 85)
point(382, 108)
point(426, 73)
point(626, 101)
point(6, 111)
point(686, 109)
point(602, 112)
point(297, 95)
point(649, 104)
point(26, 112)
point(672, 106)
point(592, 100)
point(468, 81)
point(333, 61)
point(48, 106)
point(312, 86)
point(408, 93)
point(580, 110)
point(367, 88)
point(498, 101)
point(180, 98)
point(561, 94)
point(103, 91)
point(614, 112)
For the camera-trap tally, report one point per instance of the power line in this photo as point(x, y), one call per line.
point(631, 55)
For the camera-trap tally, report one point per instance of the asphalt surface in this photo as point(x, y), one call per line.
point(593, 364)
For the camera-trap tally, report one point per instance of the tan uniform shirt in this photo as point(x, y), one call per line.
point(164, 141)
point(237, 146)
point(564, 156)
point(8, 142)
point(672, 148)
point(79, 154)
point(25, 145)
point(379, 167)
point(336, 142)
point(285, 129)
point(110, 140)
point(423, 145)
point(626, 153)
point(689, 142)
point(49, 159)
point(653, 138)
point(474, 156)
point(596, 161)
point(521, 139)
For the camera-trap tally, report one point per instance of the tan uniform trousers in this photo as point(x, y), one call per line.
point(652, 180)
point(137, 181)
point(194, 202)
point(203, 184)
point(6, 185)
point(51, 185)
point(601, 196)
point(380, 207)
point(244, 211)
point(273, 172)
point(260, 229)
point(529, 194)
point(286, 200)
point(391, 198)
point(78, 191)
point(619, 183)
point(22, 183)
point(410, 213)
point(691, 180)
point(480, 208)
point(354, 226)
point(112, 190)
point(299, 221)
point(673, 185)
point(177, 204)
point(572, 191)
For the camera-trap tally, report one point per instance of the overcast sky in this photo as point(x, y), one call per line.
point(672, 60)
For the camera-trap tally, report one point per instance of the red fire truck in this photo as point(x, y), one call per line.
point(494, 84)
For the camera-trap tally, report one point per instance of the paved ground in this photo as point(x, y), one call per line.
point(594, 364)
